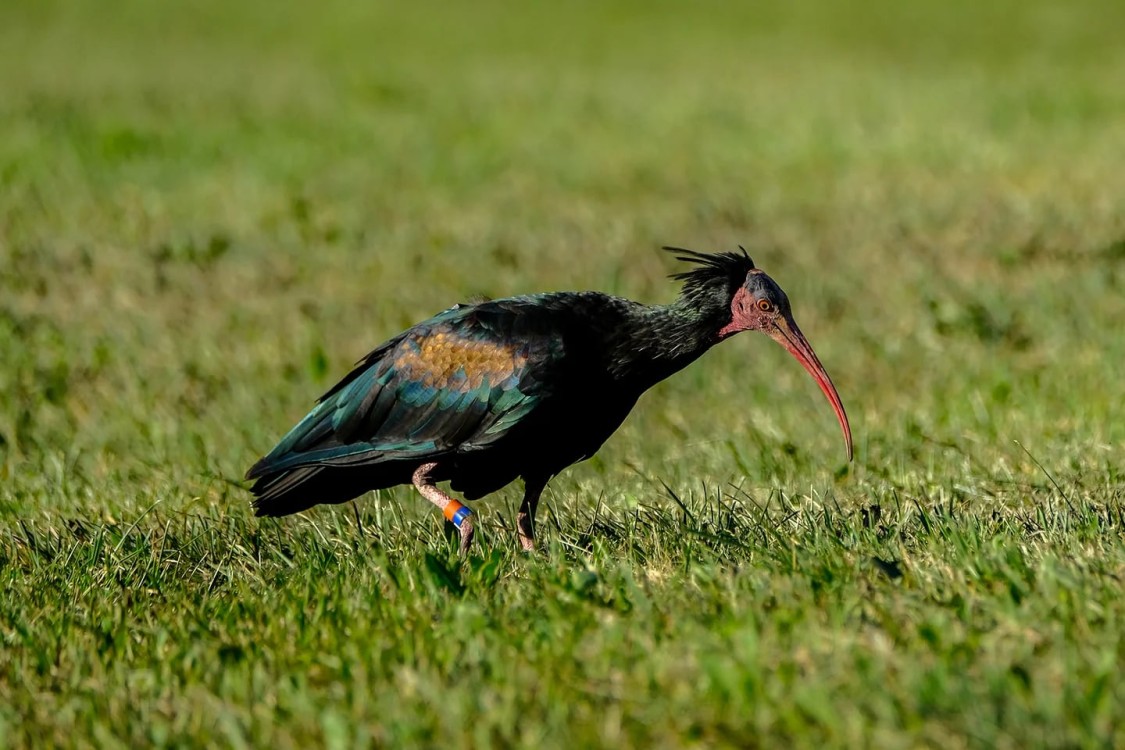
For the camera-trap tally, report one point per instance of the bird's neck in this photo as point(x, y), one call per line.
point(657, 340)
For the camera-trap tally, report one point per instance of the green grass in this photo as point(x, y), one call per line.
point(209, 210)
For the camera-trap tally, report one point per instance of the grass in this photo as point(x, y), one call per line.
point(207, 212)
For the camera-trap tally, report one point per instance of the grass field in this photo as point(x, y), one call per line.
point(208, 210)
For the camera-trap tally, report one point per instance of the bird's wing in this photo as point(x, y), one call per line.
point(458, 381)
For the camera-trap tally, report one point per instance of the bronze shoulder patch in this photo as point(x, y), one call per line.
point(443, 359)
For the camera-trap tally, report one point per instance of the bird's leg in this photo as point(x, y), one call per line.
point(525, 521)
point(454, 512)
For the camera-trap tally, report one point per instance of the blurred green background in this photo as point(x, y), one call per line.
point(209, 210)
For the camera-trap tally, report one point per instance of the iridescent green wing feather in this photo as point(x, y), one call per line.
point(459, 381)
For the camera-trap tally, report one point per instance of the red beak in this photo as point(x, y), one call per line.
point(786, 333)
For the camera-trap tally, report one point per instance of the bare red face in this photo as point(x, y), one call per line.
point(760, 305)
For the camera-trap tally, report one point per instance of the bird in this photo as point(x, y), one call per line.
point(522, 387)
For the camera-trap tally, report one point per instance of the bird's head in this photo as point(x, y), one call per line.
point(746, 299)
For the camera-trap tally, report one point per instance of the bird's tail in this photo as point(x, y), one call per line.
point(300, 488)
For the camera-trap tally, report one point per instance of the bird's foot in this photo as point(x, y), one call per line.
point(526, 530)
point(466, 529)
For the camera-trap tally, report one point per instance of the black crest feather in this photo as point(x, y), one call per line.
point(712, 269)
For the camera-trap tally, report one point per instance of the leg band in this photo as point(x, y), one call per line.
point(456, 513)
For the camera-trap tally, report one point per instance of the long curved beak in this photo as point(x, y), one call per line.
point(786, 333)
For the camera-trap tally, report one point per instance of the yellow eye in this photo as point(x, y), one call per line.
point(764, 305)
